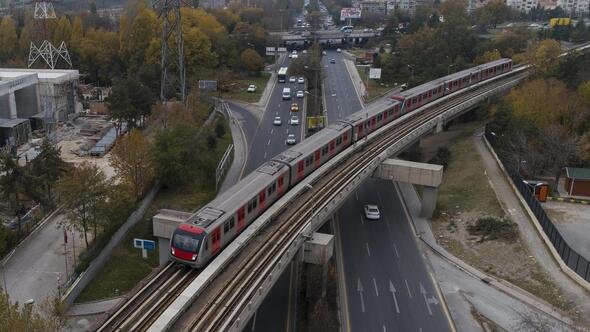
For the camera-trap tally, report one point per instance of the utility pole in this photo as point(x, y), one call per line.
point(173, 77)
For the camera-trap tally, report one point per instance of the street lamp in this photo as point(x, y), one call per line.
point(412, 70)
point(449, 69)
point(28, 307)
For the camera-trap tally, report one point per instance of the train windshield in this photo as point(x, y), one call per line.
point(186, 241)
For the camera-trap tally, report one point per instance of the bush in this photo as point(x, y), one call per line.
point(442, 157)
point(492, 228)
point(219, 129)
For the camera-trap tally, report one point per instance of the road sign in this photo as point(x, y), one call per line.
point(270, 50)
point(208, 85)
point(282, 49)
point(144, 245)
point(346, 13)
point(375, 73)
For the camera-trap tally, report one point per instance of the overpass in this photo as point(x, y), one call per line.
point(324, 37)
point(225, 294)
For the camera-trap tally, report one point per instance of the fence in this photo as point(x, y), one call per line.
point(572, 259)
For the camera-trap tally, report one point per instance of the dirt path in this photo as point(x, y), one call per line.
point(528, 232)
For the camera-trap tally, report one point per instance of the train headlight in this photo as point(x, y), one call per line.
point(194, 257)
point(172, 250)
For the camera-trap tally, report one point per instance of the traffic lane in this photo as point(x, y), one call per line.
point(248, 122)
point(341, 97)
point(384, 270)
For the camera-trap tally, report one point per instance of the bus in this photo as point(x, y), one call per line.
point(282, 74)
point(346, 29)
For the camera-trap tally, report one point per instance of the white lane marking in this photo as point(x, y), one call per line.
point(423, 291)
point(368, 250)
point(384, 328)
point(264, 154)
point(268, 142)
point(362, 220)
point(393, 291)
point(357, 195)
point(254, 320)
point(408, 288)
point(359, 289)
point(395, 248)
point(272, 130)
point(375, 285)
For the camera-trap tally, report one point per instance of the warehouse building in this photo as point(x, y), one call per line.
point(577, 181)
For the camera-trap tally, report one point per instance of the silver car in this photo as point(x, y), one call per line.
point(292, 79)
point(291, 140)
point(294, 120)
point(277, 121)
point(372, 212)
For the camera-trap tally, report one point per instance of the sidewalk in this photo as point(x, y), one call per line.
point(38, 266)
point(240, 153)
point(529, 234)
point(462, 283)
point(359, 86)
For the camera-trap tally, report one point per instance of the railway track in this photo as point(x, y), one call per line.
point(221, 314)
point(145, 306)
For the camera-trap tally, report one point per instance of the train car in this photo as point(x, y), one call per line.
point(419, 96)
point(372, 118)
point(314, 151)
point(491, 69)
point(214, 226)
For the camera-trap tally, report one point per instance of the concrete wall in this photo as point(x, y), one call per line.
point(26, 102)
point(4, 107)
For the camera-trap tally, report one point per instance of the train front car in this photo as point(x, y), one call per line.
point(186, 243)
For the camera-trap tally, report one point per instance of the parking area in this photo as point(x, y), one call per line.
point(573, 222)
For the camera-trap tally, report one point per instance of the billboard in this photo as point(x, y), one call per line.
point(375, 73)
point(560, 21)
point(346, 13)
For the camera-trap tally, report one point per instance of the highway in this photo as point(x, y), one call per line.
point(341, 97)
point(269, 140)
point(387, 284)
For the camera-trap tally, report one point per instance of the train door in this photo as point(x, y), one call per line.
point(261, 201)
point(373, 122)
point(317, 158)
point(281, 184)
point(300, 169)
point(332, 146)
point(215, 241)
point(345, 137)
point(241, 217)
point(359, 131)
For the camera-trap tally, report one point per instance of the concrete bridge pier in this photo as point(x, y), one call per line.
point(440, 122)
point(12, 105)
point(164, 223)
point(428, 176)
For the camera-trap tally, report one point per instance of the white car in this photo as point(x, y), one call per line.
point(277, 121)
point(304, 52)
point(293, 54)
point(324, 53)
point(291, 140)
point(372, 212)
point(292, 79)
point(294, 120)
point(251, 88)
point(300, 94)
point(338, 50)
point(301, 80)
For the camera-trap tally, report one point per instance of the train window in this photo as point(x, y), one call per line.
point(325, 149)
point(254, 204)
point(455, 83)
point(391, 111)
point(338, 140)
point(206, 245)
point(232, 222)
point(379, 117)
point(269, 191)
point(345, 136)
point(307, 162)
point(414, 100)
point(226, 227)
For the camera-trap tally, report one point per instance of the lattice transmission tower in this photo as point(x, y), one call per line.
point(41, 47)
point(173, 79)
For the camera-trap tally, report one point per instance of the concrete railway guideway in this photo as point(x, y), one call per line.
point(227, 292)
point(225, 295)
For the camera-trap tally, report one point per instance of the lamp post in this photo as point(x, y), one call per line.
point(411, 70)
point(449, 68)
point(28, 308)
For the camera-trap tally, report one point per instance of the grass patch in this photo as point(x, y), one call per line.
point(239, 85)
point(126, 267)
point(375, 88)
point(492, 228)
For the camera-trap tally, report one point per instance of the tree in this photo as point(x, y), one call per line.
point(584, 146)
point(558, 148)
point(129, 101)
point(133, 161)
point(83, 191)
point(17, 317)
point(48, 168)
point(487, 56)
point(12, 177)
point(252, 61)
point(545, 57)
point(136, 39)
point(492, 13)
point(8, 39)
point(580, 33)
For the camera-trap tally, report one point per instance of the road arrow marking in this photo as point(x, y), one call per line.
point(433, 300)
point(408, 287)
point(392, 290)
point(423, 291)
point(375, 284)
point(395, 248)
point(359, 288)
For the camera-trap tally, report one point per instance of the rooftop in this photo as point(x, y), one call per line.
point(577, 173)
point(44, 75)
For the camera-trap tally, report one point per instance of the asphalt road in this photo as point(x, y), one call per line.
point(341, 97)
point(269, 140)
point(388, 287)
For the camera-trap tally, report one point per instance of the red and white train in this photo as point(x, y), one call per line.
point(214, 226)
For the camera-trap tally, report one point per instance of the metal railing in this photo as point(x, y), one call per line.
point(571, 257)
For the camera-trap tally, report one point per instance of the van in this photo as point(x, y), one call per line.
point(286, 93)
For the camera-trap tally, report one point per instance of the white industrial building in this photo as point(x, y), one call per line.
point(574, 8)
point(30, 98)
point(522, 5)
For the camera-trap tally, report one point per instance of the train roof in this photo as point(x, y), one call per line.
point(311, 144)
point(417, 89)
point(238, 195)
